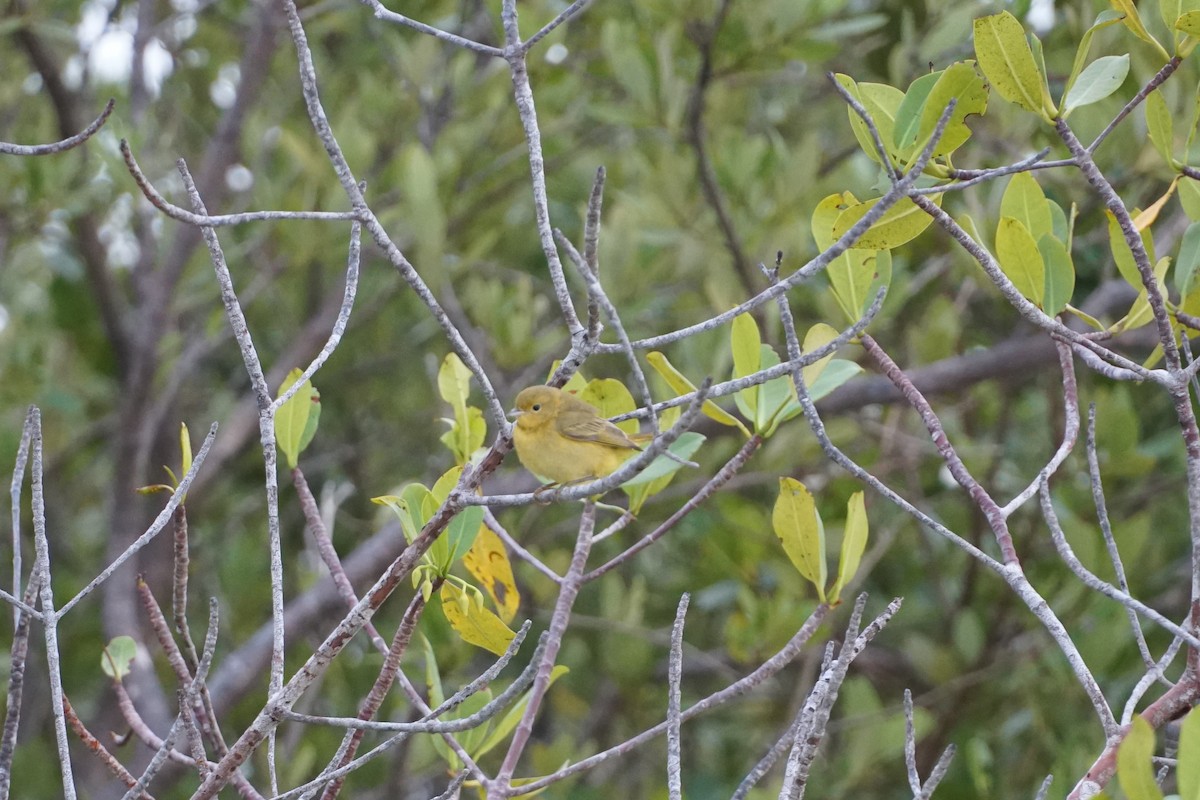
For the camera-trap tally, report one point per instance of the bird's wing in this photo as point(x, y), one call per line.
point(591, 428)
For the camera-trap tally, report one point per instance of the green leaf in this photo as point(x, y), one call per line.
point(1122, 255)
point(1025, 201)
point(460, 535)
point(908, 115)
point(1189, 196)
point(454, 381)
point(1020, 259)
point(1133, 21)
point(1060, 274)
point(1103, 20)
point(1006, 60)
point(882, 102)
point(296, 420)
point(640, 492)
point(775, 395)
point(683, 447)
point(433, 677)
point(1100, 79)
point(409, 508)
point(799, 529)
point(118, 656)
point(454, 385)
point(676, 380)
point(961, 82)
point(1188, 260)
point(1134, 769)
point(1088, 318)
point(1060, 227)
point(509, 721)
point(854, 543)
point(440, 551)
point(834, 375)
point(476, 433)
point(441, 489)
point(746, 345)
point(1159, 126)
point(473, 737)
point(1140, 313)
point(901, 223)
point(1188, 771)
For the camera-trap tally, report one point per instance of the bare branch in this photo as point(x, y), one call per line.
point(64, 144)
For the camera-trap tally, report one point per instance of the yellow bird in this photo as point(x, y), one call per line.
point(562, 438)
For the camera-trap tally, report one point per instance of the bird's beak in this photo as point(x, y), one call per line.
point(513, 413)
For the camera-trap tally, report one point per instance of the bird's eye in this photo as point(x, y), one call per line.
point(536, 407)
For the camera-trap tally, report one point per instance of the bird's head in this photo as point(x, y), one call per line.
point(536, 406)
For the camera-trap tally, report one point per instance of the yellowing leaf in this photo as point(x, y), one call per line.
point(825, 215)
point(1133, 21)
point(676, 380)
point(611, 398)
point(475, 625)
point(901, 223)
point(488, 561)
point(1189, 23)
point(817, 337)
point(1144, 220)
point(799, 529)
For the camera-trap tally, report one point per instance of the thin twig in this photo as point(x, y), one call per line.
point(768, 668)
point(568, 591)
point(218, 220)
point(60, 146)
point(266, 433)
point(156, 527)
point(674, 690)
point(50, 617)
